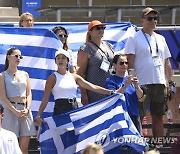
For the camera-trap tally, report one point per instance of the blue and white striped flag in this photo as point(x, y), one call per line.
point(38, 46)
point(105, 122)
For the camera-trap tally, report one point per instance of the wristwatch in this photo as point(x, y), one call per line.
point(112, 92)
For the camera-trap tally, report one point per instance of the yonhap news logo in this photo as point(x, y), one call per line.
point(103, 139)
point(161, 140)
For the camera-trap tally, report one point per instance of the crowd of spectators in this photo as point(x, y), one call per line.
point(97, 66)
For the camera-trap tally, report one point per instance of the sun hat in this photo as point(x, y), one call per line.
point(147, 10)
point(62, 51)
point(95, 23)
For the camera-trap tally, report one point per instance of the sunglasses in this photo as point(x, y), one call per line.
point(28, 20)
point(122, 63)
point(63, 35)
point(18, 56)
point(100, 27)
point(151, 18)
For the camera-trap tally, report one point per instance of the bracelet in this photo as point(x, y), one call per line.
point(123, 86)
point(172, 83)
point(141, 96)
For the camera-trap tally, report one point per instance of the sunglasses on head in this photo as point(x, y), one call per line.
point(100, 27)
point(63, 35)
point(122, 63)
point(151, 18)
point(18, 56)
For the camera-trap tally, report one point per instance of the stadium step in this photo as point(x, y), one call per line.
point(9, 11)
point(34, 146)
point(9, 14)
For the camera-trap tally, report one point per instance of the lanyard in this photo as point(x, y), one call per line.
point(149, 43)
point(107, 55)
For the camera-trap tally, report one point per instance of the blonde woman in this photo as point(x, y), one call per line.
point(93, 149)
point(26, 20)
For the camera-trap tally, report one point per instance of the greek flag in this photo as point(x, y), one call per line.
point(38, 46)
point(105, 122)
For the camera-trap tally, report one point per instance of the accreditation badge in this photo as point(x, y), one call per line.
point(105, 65)
point(156, 61)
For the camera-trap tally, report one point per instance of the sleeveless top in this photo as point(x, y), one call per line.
point(13, 87)
point(94, 73)
point(65, 86)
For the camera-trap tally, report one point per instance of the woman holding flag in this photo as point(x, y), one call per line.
point(63, 86)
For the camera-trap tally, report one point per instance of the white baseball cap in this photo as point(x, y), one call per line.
point(62, 51)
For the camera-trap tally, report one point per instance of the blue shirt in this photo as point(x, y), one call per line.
point(115, 82)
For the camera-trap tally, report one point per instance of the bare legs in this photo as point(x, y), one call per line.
point(24, 144)
point(157, 125)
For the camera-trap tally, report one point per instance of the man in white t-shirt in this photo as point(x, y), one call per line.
point(149, 55)
point(8, 140)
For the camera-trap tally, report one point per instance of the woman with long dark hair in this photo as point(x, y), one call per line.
point(15, 94)
point(63, 34)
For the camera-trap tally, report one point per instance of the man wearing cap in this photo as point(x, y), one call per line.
point(149, 55)
point(8, 140)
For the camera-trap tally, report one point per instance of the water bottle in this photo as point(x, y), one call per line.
point(169, 116)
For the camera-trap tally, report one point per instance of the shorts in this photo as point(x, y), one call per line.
point(64, 105)
point(20, 126)
point(156, 97)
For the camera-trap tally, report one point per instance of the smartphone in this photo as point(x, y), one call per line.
point(131, 72)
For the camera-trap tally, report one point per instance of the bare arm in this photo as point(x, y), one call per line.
point(130, 58)
point(48, 88)
point(28, 95)
point(168, 69)
point(87, 85)
point(139, 92)
point(82, 62)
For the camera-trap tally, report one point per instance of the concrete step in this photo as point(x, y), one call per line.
point(9, 11)
point(9, 18)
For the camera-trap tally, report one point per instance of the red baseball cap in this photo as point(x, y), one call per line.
point(95, 23)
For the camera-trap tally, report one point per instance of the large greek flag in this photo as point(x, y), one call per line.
point(105, 122)
point(38, 46)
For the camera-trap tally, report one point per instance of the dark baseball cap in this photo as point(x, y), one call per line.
point(147, 10)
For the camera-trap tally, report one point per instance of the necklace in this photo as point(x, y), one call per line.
point(13, 74)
